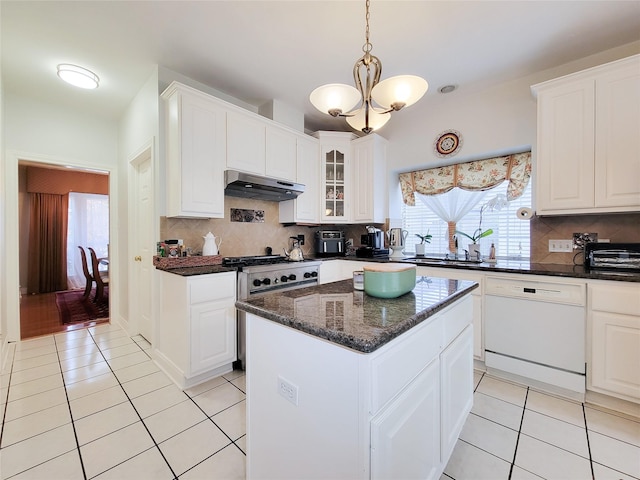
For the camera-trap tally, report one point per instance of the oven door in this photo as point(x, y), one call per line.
point(243, 294)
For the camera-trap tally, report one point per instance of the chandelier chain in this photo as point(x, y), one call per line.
point(366, 48)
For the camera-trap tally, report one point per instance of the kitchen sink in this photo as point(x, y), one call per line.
point(440, 261)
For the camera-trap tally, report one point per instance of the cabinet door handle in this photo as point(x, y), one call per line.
point(137, 258)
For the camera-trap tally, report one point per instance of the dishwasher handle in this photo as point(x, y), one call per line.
point(567, 293)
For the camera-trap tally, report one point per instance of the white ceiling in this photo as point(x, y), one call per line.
point(261, 50)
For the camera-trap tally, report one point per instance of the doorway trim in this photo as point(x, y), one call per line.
point(12, 234)
point(147, 151)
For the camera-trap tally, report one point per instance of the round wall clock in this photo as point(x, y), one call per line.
point(448, 143)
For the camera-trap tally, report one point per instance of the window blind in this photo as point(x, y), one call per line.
point(511, 235)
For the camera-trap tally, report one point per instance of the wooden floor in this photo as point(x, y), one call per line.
point(39, 316)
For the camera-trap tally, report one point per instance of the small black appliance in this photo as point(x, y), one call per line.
point(624, 257)
point(329, 243)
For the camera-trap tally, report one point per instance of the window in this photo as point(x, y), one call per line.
point(88, 226)
point(511, 234)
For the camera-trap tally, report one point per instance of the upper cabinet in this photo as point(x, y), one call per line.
point(335, 170)
point(245, 143)
point(256, 146)
point(281, 154)
point(196, 149)
point(306, 207)
point(588, 148)
point(206, 136)
point(369, 170)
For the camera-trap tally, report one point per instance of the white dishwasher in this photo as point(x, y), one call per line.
point(536, 330)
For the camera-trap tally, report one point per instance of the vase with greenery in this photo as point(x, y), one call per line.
point(474, 246)
point(424, 239)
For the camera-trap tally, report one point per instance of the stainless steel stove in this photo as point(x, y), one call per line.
point(258, 275)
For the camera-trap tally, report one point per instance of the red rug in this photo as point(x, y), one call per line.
point(74, 309)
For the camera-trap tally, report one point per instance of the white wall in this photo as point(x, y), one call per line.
point(46, 133)
point(138, 130)
point(493, 121)
point(32, 126)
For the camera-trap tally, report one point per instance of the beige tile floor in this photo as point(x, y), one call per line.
point(91, 404)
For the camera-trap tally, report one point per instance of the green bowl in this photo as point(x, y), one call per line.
point(389, 280)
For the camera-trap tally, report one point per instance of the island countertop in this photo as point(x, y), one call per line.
point(351, 318)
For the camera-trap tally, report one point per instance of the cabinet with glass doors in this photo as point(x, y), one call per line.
point(336, 189)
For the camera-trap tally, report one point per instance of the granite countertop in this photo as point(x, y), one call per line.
point(351, 318)
point(201, 270)
point(514, 266)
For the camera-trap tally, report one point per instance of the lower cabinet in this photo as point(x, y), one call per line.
point(405, 436)
point(395, 413)
point(197, 327)
point(614, 317)
point(456, 385)
point(477, 295)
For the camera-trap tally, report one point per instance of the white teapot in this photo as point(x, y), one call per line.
point(210, 246)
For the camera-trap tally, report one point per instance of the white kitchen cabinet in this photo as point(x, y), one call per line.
point(588, 147)
point(405, 437)
point(336, 190)
point(614, 338)
point(306, 207)
point(255, 145)
point(246, 143)
point(385, 424)
point(476, 296)
point(456, 389)
point(196, 330)
point(195, 153)
point(368, 171)
point(339, 269)
point(281, 154)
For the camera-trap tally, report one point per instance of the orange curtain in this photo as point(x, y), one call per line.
point(47, 267)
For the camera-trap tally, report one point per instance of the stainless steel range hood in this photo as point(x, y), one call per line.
point(246, 185)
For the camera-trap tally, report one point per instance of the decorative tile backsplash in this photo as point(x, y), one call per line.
point(619, 227)
point(248, 238)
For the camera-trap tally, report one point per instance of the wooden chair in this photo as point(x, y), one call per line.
point(87, 274)
point(101, 278)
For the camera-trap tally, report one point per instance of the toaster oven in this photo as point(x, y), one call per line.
point(612, 256)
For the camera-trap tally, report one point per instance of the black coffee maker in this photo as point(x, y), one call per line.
point(372, 244)
point(372, 239)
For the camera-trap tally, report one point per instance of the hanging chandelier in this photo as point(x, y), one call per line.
point(390, 95)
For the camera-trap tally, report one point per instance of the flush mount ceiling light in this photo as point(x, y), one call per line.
point(390, 95)
point(78, 76)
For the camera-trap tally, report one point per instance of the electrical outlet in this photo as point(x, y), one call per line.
point(560, 245)
point(288, 390)
point(581, 239)
point(301, 239)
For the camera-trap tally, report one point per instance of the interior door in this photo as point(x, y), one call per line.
point(142, 235)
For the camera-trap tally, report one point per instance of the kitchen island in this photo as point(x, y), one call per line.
point(344, 385)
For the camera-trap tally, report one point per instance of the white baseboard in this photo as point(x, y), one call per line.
point(179, 378)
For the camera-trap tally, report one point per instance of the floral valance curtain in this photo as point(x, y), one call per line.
point(475, 176)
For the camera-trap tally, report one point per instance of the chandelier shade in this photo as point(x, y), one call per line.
point(390, 95)
point(335, 97)
point(376, 120)
point(399, 91)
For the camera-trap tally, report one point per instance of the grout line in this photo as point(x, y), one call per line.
point(586, 431)
point(6, 403)
point(210, 417)
point(73, 424)
point(515, 452)
point(137, 413)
